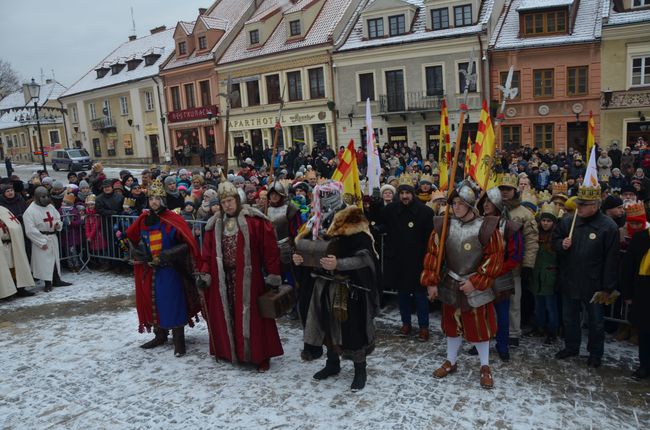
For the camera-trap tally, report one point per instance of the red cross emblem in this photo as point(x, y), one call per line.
point(49, 219)
point(14, 219)
point(4, 228)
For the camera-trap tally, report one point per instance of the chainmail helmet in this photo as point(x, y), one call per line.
point(466, 191)
point(42, 196)
point(494, 196)
point(330, 198)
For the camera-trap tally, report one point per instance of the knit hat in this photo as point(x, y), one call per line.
point(182, 172)
point(612, 202)
point(107, 183)
point(169, 180)
point(58, 185)
point(84, 184)
point(90, 199)
point(47, 180)
point(214, 201)
point(250, 188)
point(387, 187)
point(5, 187)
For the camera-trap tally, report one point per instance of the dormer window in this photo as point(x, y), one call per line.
point(150, 59)
point(397, 25)
point(117, 68)
point(294, 28)
point(546, 22)
point(102, 71)
point(254, 37)
point(439, 18)
point(182, 48)
point(133, 63)
point(375, 28)
point(203, 43)
point(463, 15)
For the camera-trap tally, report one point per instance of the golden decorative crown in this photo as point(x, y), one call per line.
point(508, 180)
point(527, 196)
point(129, 202)
point(544, 196)
point(405, 179)
point(156, 189)
point(426, 178)
point(635, 210)
point(549, 209)
point(437, 195)
point(592, 194)
point(559, 188)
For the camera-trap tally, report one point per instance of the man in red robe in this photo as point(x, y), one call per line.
point(238, 245)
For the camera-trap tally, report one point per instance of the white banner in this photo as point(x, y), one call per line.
point(373, 155)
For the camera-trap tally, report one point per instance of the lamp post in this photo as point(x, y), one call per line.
point(34, 92)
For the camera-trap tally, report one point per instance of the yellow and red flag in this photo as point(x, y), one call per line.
point(591, 134)
point(347, 172)
point(483, 152)
point(444, 148)
point(468, 156)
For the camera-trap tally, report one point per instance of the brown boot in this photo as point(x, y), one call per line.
point(405, 330)
point(486, 378)
point(423, 335)
point(444, 370)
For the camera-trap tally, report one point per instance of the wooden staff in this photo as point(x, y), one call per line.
point(278, 130)
point(573, 223)
point(454, 167)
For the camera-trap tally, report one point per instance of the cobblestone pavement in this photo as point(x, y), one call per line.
point(70, 360)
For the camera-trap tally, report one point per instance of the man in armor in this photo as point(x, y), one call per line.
point(286, 221)
point(473, 257)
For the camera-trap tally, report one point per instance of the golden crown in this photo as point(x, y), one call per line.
point(544, 196)
point(426, 178)
point(559, 188)
point(592, 194)
point(129, 202)
point(508, 180)
point(406, 179)
point(527, 196)
point(550, 209)
point(156, 189)
point(437, 195)
point(635, 210)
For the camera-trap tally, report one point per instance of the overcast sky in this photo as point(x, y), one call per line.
point(71, 36)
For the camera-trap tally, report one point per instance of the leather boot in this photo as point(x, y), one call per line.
point(332, 367)
point(23, 292)
point(360, 377)
point(48, 286)
point(160, 339)
point(57, 281)
point(178, 335)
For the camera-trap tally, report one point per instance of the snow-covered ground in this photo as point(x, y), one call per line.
point(70, 359)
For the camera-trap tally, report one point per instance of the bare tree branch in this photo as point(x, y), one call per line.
point(9, 80)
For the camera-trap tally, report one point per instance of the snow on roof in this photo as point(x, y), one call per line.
point(159, 43)
point(419, 33)
point(586, 28)
point(612, 18)
point(321, 32)
point(49, 91)
point(187, 26)
point(267, 8)
point(544, 4)
point(224, 16)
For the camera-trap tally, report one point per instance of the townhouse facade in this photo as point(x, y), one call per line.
point(405, 56)
point(284, 54)
point(116, 110)
point(554, 47)
point(625, 80)
point(18, 127)
point(194, 117)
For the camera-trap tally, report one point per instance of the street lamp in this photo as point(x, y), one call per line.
point(34, 92)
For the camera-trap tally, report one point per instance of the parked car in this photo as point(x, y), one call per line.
point(71, 159)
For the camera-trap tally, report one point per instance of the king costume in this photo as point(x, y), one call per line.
point(164, 252)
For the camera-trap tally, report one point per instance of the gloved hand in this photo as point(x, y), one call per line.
point(202, 280)
point(141, 253)
point(526, 274)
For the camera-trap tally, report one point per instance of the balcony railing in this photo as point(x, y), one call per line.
point(625, 99)
point(101, 124)
point(411, 101)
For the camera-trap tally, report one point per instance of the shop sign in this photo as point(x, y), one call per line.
point(288, 119)
point(192, 114)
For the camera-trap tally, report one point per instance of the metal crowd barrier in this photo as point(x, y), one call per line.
point(618, 312)
point(98, 237)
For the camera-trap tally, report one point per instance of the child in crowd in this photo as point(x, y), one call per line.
point(70, 235)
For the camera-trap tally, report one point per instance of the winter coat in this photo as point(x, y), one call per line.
point(71, 233)
point(523, 216)
point(591, 263)
point(604, 167)
point(93, 228)
point(408, 229)
point(627, 160)
point(17, 205)
point(636, 286)
point(544, 279)
point(109, 204)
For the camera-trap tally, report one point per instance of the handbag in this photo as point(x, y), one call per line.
point(276, 302)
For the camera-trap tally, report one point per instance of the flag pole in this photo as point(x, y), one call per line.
point(278, 130)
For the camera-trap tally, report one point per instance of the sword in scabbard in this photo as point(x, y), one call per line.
point(343, 281)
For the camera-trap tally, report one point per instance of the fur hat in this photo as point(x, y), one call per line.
point(227, 189)
point(97, 167)
point(387, 187)
point(90, 199)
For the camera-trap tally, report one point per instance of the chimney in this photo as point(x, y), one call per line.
point(202, 11)
point(132, 37)
point(158, 29)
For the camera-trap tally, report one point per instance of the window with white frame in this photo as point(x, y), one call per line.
point(75, 114)
point(640, 3)
point(294, 28)
point(396, 25)
point(254, 37)
point(641, 70)
point(203, 42)
point(463, 15)
point(23, 141)
point(106, 109)
point(54, 137)
point(148, 101)
point(366, 86)
point(434, 82)
point(92, 111)
point(461, 78)
point(124, 106)
point(375, 28)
